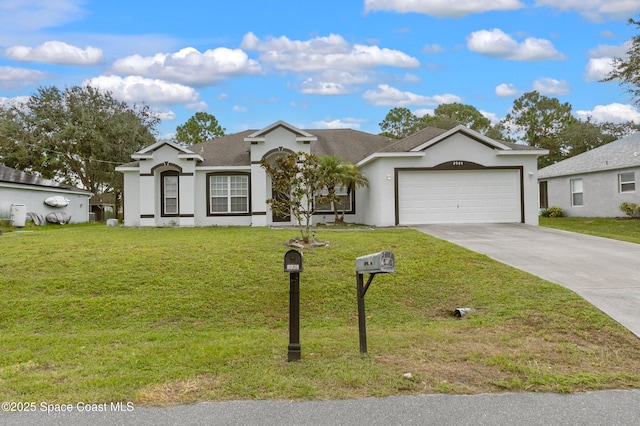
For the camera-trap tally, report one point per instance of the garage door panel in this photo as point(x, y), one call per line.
point(466, 196)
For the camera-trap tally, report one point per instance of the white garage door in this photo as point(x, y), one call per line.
point(461, 196)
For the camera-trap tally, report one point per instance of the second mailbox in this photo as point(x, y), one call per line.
point(376, 263)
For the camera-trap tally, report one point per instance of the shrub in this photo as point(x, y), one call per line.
point(551, 212)
point(630, 209)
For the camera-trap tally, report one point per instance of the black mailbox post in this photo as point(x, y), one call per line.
point(293, 265)
point(372, 264)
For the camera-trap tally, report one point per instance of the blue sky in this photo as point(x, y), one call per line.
point(320, 64)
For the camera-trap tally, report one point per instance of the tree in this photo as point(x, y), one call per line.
point(399, 123)
point(332, 168)
point(340, 174)
point(448, 116)
point(539, 120)
point(352, 178)
point(201, 127)
point(627, 71)
point(76, 136)
point(299, 176)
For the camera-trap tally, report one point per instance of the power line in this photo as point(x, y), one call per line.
point(58, 152)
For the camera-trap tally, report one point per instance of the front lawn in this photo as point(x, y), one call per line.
point(167, 316)
point(618, 229)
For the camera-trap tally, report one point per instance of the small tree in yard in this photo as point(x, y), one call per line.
point(300, 178)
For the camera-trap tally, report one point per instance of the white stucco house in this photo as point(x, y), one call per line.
point(594, 183)
point(433, 176)
point(31, 193)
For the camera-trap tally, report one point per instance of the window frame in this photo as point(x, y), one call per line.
point(229, 194)
point(630, 183)
point(163, 193)
point(574, 192)
point(340, 192)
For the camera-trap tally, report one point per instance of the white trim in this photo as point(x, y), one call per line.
point(259, 135)
point(462, 129)
point(377, 155)
point(45, 188)
point(523, 152)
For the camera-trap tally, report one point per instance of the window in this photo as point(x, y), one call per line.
point(170, 185)
point(627, 182)
point(576, 192)
point(544, 195)
point(344, 203)
point(228, 194)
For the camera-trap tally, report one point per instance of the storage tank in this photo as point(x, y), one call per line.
point(18, 215)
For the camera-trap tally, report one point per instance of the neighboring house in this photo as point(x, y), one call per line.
point(20, 188)
point(433, 176)
point(594, 183)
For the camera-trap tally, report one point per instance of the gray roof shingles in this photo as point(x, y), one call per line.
point(9, 175)
point(347, 144)
point(619, 154)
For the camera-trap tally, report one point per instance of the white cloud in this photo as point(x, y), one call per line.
point(17, 78)
point(386, 95)
point(598, 68)
point(239, 108)
point(497, 43)
point(18, 101)
point(325, 53)
point(190, 66)
point(136, 89)
point(32, 15)
point(339, 123)
point(596, 10)
point(601, 60)
point(315, 87)
point(551, 86)
point(441, 8)
point(615, 113)
point(432, 48)
point(56, 52)
point(506, 90)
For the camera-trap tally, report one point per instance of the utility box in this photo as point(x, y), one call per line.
point(18, 215)
point(293, 262)
point(376, 263)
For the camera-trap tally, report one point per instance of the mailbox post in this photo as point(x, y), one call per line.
point(377, 263)
point(293, 265)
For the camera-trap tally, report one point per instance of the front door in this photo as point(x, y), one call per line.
point(275, 217)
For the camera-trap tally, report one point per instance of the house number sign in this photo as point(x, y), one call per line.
point(457, 163)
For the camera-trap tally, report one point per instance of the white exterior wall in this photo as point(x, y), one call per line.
point(278, 140)
point(33, 198)
point(131, 198)
point(601, 197)
point(458, 147)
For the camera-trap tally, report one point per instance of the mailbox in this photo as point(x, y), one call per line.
point(293, 261)
point(376, 263)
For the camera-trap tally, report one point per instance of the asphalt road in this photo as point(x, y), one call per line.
point(594, 408)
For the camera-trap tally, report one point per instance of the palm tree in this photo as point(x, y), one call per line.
point(332, 168)
point(351, 177)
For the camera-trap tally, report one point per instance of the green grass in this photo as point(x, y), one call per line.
point(166, 316)
point(617, 229)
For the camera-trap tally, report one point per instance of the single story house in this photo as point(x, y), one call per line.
point(433, 176)
point(32, 194)
point(594, 183)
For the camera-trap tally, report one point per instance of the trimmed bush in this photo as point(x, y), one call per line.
point(551, 212)
point(630, 209)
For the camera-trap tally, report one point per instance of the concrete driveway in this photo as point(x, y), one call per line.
point(605, 272)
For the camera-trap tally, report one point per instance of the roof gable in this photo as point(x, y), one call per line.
point(147, 153)
point(472, 134)
point(260, 135)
